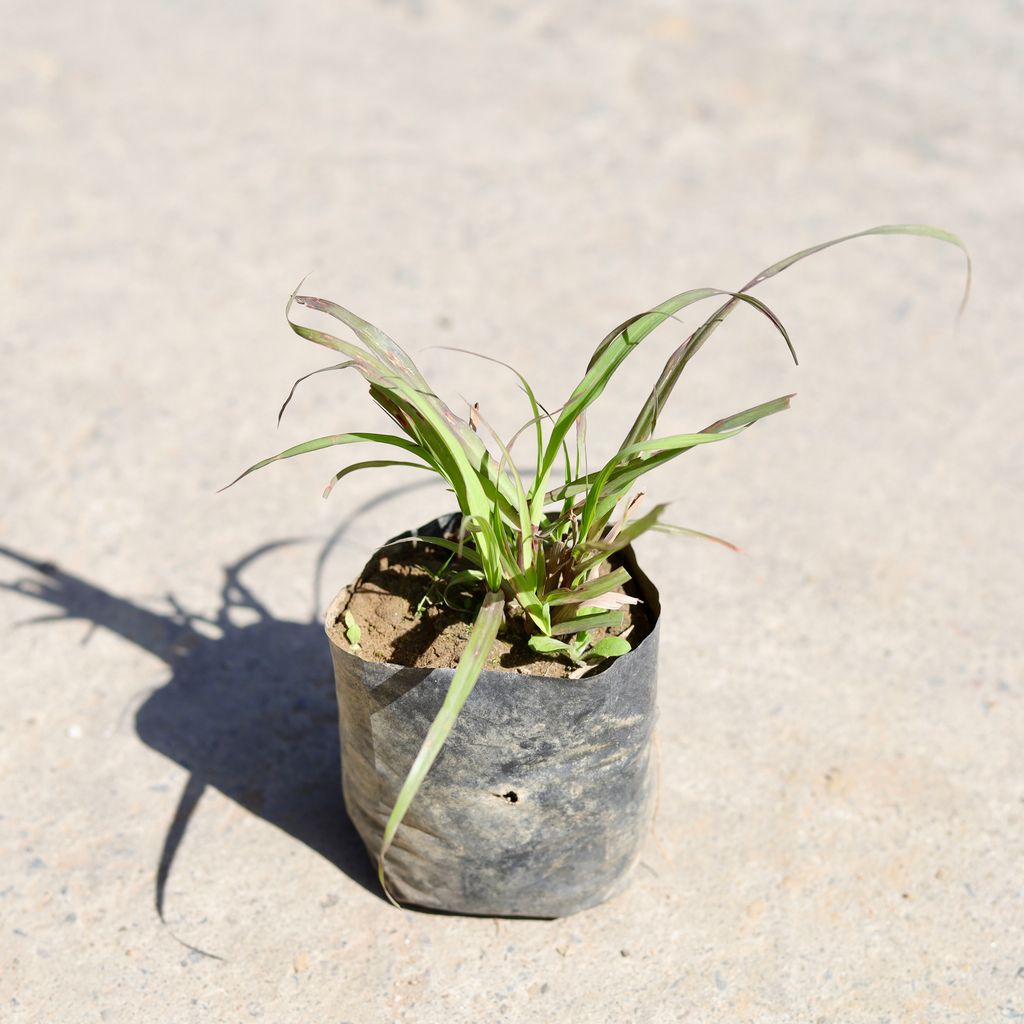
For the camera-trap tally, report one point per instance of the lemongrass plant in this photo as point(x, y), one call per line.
point(531, 542)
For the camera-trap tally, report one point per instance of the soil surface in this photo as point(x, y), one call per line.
point(398, 604)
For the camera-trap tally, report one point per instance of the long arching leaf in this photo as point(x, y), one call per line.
point(371, 464)
point(329, 442)
point(471, 664)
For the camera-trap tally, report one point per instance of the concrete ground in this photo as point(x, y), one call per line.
point(841, 827)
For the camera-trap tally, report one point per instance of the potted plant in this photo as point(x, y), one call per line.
point(510, 772)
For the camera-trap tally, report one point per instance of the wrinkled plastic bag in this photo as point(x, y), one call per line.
point(542, 795)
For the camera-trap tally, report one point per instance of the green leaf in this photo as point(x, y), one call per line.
point(353, 634)
point(459, 579)
point(920, 230)
point(471, 664)
point(329, 442)
point(685, 531)
point(442, 542)
point(547, 645)
point(610, 647)
point(524, 556)
point(622, 477)
point(750, 416)
point(587, 621)
point(674, 444)
point(589, 590)
point(371, 464)
point(624, 463)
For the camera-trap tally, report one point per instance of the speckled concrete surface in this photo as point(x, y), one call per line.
point(841, 824)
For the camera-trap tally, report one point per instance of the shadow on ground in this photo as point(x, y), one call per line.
point(249, 706)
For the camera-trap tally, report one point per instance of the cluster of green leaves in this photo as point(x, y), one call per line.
point(529, 541)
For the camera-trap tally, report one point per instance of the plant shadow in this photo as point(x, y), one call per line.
point(248, 708)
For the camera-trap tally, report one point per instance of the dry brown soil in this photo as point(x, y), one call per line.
point(403, 618)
